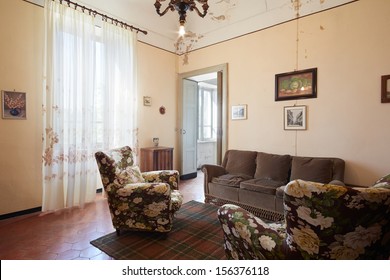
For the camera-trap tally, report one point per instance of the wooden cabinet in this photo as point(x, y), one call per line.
point(156, 158)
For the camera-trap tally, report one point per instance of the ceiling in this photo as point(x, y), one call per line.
point(226, 19)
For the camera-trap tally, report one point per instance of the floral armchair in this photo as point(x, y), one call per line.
point(322, 221)
point(138, 201)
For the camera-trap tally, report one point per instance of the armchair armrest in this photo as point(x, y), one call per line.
point(249, 237)
point(170, 177)
point(142, 206)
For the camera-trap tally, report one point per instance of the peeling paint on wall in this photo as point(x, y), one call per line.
point(228, 5)
point(186, 43)
point(296, 6)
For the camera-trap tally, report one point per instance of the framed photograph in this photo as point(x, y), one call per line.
point(295, 118)
point(147, 101)
point(239, 112)
point(13, 105)
point(385, 97)
point(296, 85)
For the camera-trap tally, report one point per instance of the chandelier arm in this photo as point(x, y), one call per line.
point(205, 7)
point(158, 6)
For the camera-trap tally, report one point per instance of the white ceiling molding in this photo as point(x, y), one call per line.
point(226, 19)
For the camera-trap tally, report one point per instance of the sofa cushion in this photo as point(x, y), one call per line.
point(241, 162)
point(232, 180)
point(261, 185)
point(311, 169)
point(273, 167)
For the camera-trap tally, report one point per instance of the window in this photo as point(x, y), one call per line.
point(207, 130)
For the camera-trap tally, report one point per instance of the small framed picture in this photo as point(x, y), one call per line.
point(14, 105)
point(296, 85)
point(385, 97)
point(239, 112)
point(147, 101)
point(295, 118)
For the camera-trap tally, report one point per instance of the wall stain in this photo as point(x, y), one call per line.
point(186, 43)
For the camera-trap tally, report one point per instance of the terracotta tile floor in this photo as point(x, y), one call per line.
point(66, 234)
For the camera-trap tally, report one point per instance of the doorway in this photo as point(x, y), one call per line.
point(202, 118)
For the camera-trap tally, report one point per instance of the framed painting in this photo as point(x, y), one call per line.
point(295, 118)
point(239, 112)
point(296, 85)
point(13, 105)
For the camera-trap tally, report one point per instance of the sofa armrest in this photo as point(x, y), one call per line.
point(210, 171)
point(249, 237)
point(170, 177)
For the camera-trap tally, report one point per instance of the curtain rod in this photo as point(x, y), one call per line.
point(104, 17)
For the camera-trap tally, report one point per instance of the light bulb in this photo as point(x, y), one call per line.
point(182, 31)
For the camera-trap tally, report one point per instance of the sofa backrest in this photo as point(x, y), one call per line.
point(240, 162)
point(317, 169)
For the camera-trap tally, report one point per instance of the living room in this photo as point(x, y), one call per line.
point(348, 45)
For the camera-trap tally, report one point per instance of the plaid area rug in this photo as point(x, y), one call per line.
point(196, 235)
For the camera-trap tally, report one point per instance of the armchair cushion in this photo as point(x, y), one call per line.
point(129, 175)
point(311, 169)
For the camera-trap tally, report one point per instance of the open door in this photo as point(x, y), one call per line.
point(189, 125)
point(189, 129)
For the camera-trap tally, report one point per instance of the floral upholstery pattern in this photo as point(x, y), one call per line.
point(138, 201)
point(247, 237)
point(322, 221)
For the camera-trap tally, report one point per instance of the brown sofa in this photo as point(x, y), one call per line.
point(257, 179)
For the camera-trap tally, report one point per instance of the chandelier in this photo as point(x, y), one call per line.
point(182, 6)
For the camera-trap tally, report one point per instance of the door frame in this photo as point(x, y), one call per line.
point(224, 139)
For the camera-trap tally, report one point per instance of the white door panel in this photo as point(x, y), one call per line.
point(189, 128)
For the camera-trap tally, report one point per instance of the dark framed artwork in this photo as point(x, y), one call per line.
point(296, 85)
point(385, 97)
point(295, 118)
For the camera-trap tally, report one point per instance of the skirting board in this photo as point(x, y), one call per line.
point(37, 2)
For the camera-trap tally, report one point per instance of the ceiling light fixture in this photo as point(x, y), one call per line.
point(182, 6)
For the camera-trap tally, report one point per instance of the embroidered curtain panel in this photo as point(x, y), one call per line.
point(89, 101)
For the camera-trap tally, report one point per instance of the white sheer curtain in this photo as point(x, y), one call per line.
point(89, 101)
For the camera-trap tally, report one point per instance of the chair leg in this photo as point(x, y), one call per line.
point(118, 232)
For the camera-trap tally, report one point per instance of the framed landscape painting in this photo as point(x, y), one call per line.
point(296, 85)
point(295, 118)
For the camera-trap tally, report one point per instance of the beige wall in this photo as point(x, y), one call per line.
point(21, 57)
point(350, 47)
point(21, 33)
point(157, 79)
